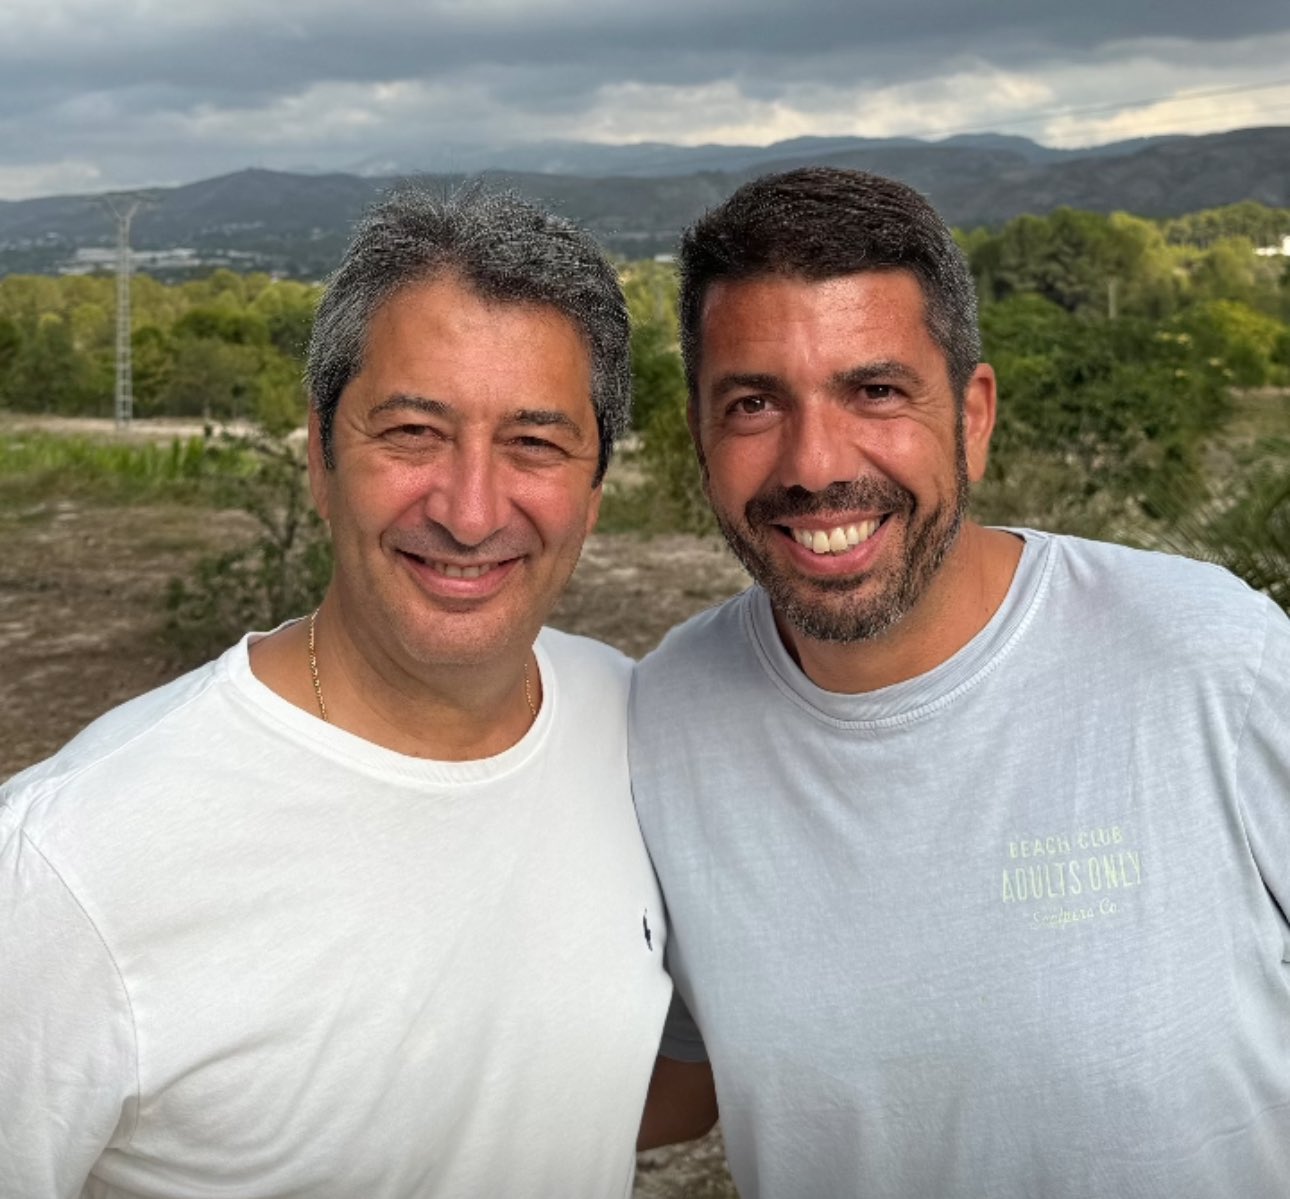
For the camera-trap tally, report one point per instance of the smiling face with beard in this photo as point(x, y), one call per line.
point(834, 449)
point(848, 607)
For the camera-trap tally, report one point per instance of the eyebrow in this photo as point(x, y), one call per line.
point(540, 418)
point(546, 418)
point(401, 400)
point(739, 381)
point(847, 380)
point(876, 372)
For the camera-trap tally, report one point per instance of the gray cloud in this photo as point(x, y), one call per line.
point(88, 90)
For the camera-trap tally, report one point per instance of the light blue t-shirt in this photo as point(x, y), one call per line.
point(1016, 927)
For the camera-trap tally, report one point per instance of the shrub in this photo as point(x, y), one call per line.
point(668, 459)
point(280, 574)
point(1249, 533)
point(36, 464)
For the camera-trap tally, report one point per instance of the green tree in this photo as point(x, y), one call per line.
point(213, 379)
point(48, 374)
point(153, 357)
point(671, 465)
point(674, 490)
point(10, 345)
point(1256, 223)
point(658, 379)
point(278, 401)
point(1095, 415)
point(287, 310)
point(1244, 344)
point(1080, 261)
point(220, 286)
point(235, 326)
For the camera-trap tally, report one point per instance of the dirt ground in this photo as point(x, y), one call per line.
point(81, 608)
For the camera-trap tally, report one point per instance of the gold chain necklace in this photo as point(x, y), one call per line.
point(313, 667)
point(318, 695)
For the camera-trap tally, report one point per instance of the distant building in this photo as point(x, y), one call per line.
point(1272, 251)
point(88, 259)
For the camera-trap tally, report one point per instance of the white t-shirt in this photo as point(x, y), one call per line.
point(246, 953)
point(1013, 928)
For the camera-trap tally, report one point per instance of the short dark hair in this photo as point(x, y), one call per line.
point(818, 223)
point(503, 248)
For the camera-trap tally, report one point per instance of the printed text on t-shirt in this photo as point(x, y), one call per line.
point(1066, 878)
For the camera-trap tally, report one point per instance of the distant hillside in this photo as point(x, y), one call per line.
point(297, 224)
point(657, 159)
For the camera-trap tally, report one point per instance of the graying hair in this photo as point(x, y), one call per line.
point(818, 223)
point(504, 249)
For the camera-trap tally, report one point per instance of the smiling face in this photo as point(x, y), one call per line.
point(465, 453)
point(836, 457)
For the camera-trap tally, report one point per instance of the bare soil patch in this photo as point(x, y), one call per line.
point(82, 608)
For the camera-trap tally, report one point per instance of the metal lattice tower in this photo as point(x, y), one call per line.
point(123, 208)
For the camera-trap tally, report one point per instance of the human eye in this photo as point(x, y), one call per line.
point(878, 397)
point(411, 434)
point(535, 444)
point(750, 406)
point(541, 446)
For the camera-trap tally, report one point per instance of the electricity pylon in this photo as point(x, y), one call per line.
point(123, 208)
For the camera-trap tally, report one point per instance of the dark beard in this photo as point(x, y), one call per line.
point(804, 602)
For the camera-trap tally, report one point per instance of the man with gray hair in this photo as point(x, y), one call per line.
point(975, 841)
point(361, 908)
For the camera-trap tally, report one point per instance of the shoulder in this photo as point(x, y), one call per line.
point(580, 661)
point(1159, 603)
point(126, 741)
point(1139, 577)
point(710, 649)
point(694, 647)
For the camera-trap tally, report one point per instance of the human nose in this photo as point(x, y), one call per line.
point(822, 446)
point(468, 499)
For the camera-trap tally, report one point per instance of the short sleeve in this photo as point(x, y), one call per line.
point(1263, 761)
point(68, 1077)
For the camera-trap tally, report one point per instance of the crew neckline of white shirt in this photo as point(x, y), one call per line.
point(355, 751)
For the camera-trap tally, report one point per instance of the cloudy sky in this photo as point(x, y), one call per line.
point(97, 95)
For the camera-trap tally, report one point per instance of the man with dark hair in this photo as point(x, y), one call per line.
point(974, 841)
point(357, 909)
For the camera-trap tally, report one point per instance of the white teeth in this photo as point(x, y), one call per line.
point(461, 572)
point(836, 540)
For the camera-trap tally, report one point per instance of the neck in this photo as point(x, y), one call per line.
point(966, 592)
point(448, 713)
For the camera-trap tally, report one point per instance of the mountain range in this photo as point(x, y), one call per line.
point(637, 198)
